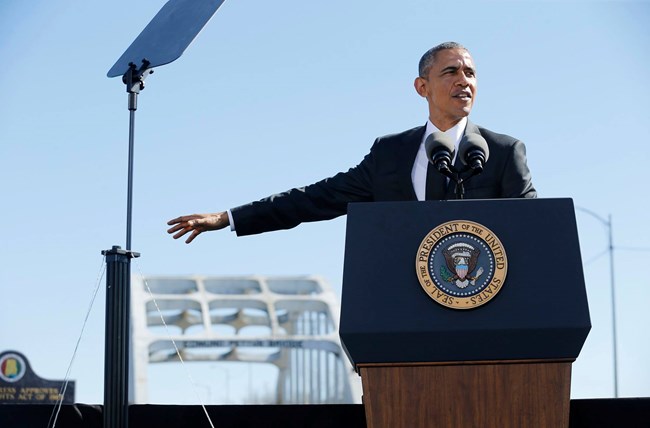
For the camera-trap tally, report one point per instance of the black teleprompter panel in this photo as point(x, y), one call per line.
point(541, 311)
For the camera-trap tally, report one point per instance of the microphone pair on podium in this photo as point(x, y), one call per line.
point(472, 150)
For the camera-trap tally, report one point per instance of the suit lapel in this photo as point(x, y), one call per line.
point(471, 128)
point(407, 153)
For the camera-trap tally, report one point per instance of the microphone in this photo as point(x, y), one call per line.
point(473, 151)
point(440, 150)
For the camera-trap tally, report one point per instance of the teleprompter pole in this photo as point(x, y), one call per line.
point(116, 358)
point(118, 285)
point(134, 81)
point(162, 41)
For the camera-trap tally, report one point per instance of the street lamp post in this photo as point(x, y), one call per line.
point(608, 223)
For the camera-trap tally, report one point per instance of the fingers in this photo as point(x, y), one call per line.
point(174, 229)
point(182, 225)
point(184, 230)
point(192, 236)
point(174, 221)
point(186, 221)
point(197, 224)
point(181, 233)
point(183, 218)
point(189, 223)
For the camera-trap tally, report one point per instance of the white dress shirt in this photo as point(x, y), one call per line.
point(419, 171)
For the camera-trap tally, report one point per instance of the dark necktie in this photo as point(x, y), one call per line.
point(436, 186)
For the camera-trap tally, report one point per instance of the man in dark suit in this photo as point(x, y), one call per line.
point(396, 169)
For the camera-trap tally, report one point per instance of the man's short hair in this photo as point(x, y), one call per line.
point(430, 56)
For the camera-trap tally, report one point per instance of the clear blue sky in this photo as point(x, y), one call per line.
point(273, 95)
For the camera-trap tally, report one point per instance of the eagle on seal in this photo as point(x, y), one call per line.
point(461, 260)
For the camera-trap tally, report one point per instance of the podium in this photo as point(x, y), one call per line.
point(456, 346)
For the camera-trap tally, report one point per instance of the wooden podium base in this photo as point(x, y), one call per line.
point(498, 394)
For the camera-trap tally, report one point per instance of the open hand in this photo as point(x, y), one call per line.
point(197, 224)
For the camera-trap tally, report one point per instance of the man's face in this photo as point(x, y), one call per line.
point(449, 87)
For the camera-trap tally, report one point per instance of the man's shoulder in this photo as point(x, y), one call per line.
point(496, 138)
point(409, 134)
point(417, 133)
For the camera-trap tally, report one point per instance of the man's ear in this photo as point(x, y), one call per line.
point(420, 85)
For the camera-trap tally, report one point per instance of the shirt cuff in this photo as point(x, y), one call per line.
point(232, 222)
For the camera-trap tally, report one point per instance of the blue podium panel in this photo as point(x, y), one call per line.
point(540, 311)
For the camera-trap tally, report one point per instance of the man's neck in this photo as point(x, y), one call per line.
point(444, 125)
point(456, 132)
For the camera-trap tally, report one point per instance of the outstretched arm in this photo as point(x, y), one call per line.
point(197, 224)
point(323, 200)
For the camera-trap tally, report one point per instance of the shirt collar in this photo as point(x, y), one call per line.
point(456, 133)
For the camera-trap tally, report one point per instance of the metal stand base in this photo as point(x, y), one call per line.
point(116, 364)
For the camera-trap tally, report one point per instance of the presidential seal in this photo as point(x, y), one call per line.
point(461, 264)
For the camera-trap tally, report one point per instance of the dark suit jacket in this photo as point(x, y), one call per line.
point(385, 175)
